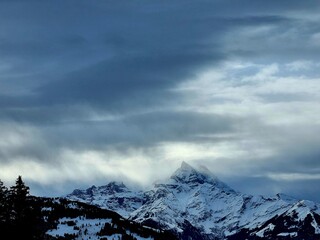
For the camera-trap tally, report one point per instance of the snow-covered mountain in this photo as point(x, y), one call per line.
point(114, 196)
point(195, 203)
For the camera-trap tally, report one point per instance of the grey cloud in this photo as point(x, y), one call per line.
point(299, 157)
point(283, 41)
point(124, 80)
point(296, 157)
point(133, 54)
point(286, 97)
point(301, 189)
point(141, 130)
point(65, 62)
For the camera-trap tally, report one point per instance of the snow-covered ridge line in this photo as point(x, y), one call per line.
point(200, 198)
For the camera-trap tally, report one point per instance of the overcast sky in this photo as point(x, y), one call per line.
point(93, 91)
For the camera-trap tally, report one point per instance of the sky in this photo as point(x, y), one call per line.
point(95, 91)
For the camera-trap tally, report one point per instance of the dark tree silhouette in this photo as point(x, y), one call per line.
point(18, 194)
point(4, 206)
point(24, 215)
point(3, 192)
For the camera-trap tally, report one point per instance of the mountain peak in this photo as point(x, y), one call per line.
point(187, 174)
point(186, 167)
point(194, 176)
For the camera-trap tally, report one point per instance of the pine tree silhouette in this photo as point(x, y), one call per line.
point(4, 206)
point(22, 213)
point(19, 194)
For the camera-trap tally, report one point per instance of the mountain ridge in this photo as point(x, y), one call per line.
point(197, 199)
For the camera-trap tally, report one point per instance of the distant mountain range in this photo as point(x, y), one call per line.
point(195, 204)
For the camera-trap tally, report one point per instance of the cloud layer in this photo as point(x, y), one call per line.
point(94, 91)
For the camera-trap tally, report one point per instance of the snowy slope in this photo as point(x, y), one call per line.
point(65, 219)
point(301, 221)
point(197, 198)
point(114, 196)
point(207, 203)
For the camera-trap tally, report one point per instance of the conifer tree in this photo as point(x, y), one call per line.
point(4, 206)
point(3, 193)
point(22, 216)
point(20, 190)
point(18, 195)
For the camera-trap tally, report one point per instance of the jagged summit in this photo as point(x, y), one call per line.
point(184, 172)
point(187, 174)
point(201, 168)
point(186, 166)
point(187, 169)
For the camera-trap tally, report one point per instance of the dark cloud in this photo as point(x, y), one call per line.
point(122, 55)
point(115, 54)
point(85, 75)
point(124, 80)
